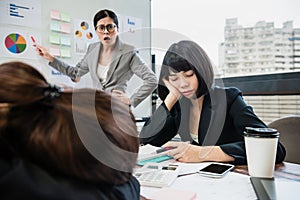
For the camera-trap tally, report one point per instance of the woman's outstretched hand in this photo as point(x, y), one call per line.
point(43, 52)
point(186, 152)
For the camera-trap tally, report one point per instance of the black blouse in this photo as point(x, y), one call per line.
point(223, 119)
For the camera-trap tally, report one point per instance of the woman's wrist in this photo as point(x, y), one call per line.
point(170, 100)
point(214, 153)
point(51, 58)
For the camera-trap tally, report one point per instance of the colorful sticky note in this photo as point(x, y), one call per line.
point(65, 17)
point(65, 28)
point(54, 14)
point(65, 53)
point(54, 39)
point(54, 26)
point(54, 51)
point(65, 40)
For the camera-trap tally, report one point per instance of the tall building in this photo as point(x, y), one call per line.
point(296, 45)
point(259, 49)
point(262, 49)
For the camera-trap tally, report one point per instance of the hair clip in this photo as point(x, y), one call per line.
point(52, 91)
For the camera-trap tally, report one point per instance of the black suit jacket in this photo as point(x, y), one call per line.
point(223, 119)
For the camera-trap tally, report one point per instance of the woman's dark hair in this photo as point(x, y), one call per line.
point(49, 127)
point(105, 13)
point(184, 56)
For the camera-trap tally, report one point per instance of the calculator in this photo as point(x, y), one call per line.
point(157, 175)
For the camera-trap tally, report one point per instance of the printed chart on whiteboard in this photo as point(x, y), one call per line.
point(84, 34)
point(20, 12)
point(18, 44)
point(24, 18)
point(15, 43)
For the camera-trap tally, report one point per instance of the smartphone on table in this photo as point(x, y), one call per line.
point(216, 170)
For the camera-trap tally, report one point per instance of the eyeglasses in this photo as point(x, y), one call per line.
point(110, 28)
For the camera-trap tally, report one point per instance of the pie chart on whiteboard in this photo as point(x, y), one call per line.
point(15, 43)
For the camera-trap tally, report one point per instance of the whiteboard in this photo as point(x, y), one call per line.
point(56, 25)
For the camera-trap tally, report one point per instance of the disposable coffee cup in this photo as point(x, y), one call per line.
point(261, 149)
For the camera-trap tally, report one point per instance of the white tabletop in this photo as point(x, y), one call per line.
point(231, 186)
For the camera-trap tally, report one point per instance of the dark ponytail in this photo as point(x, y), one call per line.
point(48, 126)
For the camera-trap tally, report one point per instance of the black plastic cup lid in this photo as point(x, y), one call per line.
point(261, 132)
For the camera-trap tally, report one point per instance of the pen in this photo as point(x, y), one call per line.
point(187, 174)
point(164, 149)
point(32, 38)
point(35, 45)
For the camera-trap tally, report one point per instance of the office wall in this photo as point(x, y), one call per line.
point(37, 18)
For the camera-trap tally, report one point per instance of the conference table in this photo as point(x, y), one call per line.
point(234, 185)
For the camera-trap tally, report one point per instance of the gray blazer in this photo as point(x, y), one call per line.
point(125, 62)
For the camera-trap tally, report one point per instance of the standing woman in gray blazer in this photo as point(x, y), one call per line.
point(111, 62)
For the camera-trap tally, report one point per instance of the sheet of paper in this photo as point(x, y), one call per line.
point(231, 186)
point(150, 153)
point(287, 189)
point(147, 149)
point(169, 193)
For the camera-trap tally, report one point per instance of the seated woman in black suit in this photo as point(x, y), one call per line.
point(209, 119)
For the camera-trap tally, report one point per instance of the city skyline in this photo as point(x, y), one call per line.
point(204, 22)
point(258, 49)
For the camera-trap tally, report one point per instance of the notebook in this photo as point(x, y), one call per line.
point(149, 153)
